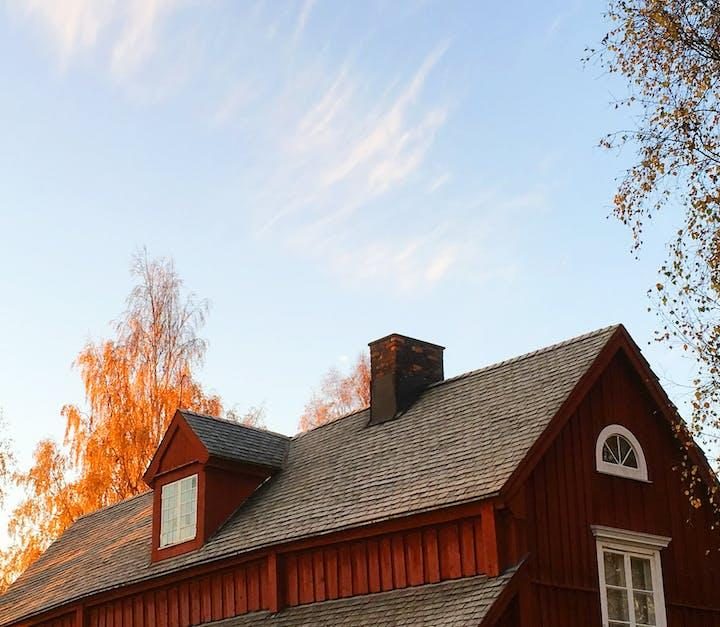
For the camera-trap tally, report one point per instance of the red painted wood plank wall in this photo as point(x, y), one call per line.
point(220, 595)
point(398, 560)
point(565, 495)
point(385, 561)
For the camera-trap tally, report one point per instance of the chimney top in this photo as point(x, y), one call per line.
point(405, 338)
point(401, 368)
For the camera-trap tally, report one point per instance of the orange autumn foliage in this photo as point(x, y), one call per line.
point(133, 385)
point(338, 395)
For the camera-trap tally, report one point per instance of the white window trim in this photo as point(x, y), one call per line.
point(636, 543)
point(639, 473)
point(179, 512)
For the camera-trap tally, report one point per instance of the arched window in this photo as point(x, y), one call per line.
point(618, 452)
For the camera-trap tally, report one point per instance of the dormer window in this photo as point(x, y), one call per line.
point(618, 452)
point(203, 470)
point(178, 522)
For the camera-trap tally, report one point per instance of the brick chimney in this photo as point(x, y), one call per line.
point(400, 369)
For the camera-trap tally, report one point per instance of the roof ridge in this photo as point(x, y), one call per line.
point(331, 422)
point(538, 351)
point(233, 422)
point(470, 373)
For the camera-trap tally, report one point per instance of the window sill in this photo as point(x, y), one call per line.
point(162, 547)
point(621, 475)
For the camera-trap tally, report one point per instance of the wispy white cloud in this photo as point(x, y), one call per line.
point(438, 182)
point(73, 25)
point(348, 148)
point(477, 242)
point(303, 15)
point(353, 171)
point(138, 37)
point(560, 20)
point(340, 164)
point(317, 126)
point(384, 134)
point(124, 32)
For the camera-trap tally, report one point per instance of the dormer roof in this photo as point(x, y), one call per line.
point(225, 439)
point(211, 438)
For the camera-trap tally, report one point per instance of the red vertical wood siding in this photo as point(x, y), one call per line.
point(510, 617)
point(396, 560)
point(565, 495)
point(67, 620)
point(212, 597)
point(388, 561)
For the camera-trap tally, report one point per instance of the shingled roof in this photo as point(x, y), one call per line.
point(230, 440)
point(459, 442)
point(458, 603)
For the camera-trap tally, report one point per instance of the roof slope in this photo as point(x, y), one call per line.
point(459, 442)
point(230, 440)
point(458, 603)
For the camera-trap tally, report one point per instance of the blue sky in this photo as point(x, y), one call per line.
point(324, 173)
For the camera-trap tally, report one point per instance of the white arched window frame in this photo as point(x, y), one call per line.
point(640, 473)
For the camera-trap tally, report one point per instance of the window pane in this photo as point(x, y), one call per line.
point(617, 624)
point(609, 455)
point(644, 608)
point(617, 448)
point(631, 460)
point(624, 447)
point(641, 573)
point(168, 538)
point(614, 569)
point(617, 604)
point(178, 511)
point(627, 453)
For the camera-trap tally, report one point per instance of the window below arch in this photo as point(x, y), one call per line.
point(618, 452)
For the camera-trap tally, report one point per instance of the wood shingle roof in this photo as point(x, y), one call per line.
point(229, 440)
point(458, 443)
point(457, 603)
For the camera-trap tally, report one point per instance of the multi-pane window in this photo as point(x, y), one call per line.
point(619, 453)
point(617, 450)
point(630, 573)
point(629, 589)
point(178, 518)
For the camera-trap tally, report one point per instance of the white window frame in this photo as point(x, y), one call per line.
point(636, 544)
point(191, 532)
point(640, 473)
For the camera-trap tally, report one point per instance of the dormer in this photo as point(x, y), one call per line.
point(203, 470)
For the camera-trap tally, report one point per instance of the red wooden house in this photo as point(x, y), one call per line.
point(540, 491)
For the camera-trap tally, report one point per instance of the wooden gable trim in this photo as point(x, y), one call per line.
point(510, 591)
point(177, 424)
point(620, 341)
point(669, 411)
point(544, 441)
